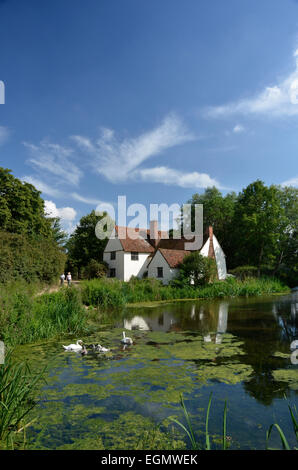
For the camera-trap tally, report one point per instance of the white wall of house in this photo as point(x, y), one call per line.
point(135, 267)
point(114, 245)
point(219, 257)
point(159, 261)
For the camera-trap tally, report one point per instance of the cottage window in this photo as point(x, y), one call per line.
point(159, 272)
point(135, 256)
point(113, 254)
point(112, 272)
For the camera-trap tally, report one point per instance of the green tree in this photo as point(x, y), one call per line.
point(258, 220)
point(218, 211)
point(83, 245)
point(21, 207)
point(197, 268)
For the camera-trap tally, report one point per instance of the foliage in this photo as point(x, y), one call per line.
point(31, 259)
point(25, 318)
point(94, 269)
point(256, 227)
point(21, 207)
point(83, 245)
point(18, 386)
point(113, 293)
point(243, 272)
point(197, 268)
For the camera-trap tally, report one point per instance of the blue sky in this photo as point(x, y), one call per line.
point(154, 99)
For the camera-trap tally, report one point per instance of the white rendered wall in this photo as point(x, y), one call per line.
point(158, 261)
point(220, 259)
point(134, 267)
point(118, 263)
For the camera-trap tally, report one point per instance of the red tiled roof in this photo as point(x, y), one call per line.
point(131, 243)
point(174, 257)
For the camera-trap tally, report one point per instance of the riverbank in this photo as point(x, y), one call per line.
point(26, 317)
point(112, 293)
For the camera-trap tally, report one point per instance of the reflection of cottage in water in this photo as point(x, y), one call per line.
point(222, 324)
point(207, 319)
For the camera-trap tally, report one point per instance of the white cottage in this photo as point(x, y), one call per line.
point(150, 253)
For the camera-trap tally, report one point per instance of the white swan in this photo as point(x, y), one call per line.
point(74, 347)
point(294, 345)
point(126, 339)
point(100, 348)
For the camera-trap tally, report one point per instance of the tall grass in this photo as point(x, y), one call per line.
point(188, 429)
point(18, 386)
point(112, 293)
point(25, 318)
point(283, 439)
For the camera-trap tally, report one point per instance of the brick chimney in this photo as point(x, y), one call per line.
point(210, 230)
point(154, 232)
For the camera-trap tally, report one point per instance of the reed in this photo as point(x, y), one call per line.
point(18, 386)
point(112, 293)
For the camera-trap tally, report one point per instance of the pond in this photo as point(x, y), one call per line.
point(238, 349)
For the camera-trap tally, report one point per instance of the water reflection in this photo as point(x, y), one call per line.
point(266, 327)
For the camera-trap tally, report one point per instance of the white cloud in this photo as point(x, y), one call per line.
point(86, 200)
point(291, 182)
point(238, 129)
point(4, 134)
point(169, 176)
point(67, 215)
point(117, 160)
point(279, 99)
point(56, 160)
point(120, 160)
point(43, 187)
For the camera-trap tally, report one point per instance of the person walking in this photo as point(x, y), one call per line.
point(62, 278)
point(68, 278)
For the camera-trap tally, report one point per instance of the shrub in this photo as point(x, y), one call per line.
point(197, 268)
point(243, 272)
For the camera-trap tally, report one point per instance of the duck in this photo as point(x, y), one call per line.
point(294, 345)
point(74, 347)
point(126, 339)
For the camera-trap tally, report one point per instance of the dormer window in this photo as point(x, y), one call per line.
point(134, 256)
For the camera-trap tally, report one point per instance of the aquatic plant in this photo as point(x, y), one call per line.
point(18, 385)
point(25, 318)
point(188, 429)
point(284, 442)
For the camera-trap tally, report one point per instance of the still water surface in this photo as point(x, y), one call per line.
point(238, 349)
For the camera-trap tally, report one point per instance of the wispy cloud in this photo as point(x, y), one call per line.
point(278, 99)
point(55, 160)
point(122, 160)
point(86, 200)
point(43, 187)
point(116, 160)
point(291, 182)
point(4, 134)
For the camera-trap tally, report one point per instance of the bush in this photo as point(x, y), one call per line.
point(244, 272)
point(30, 259)
point(94, 270)
point(197, 269)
